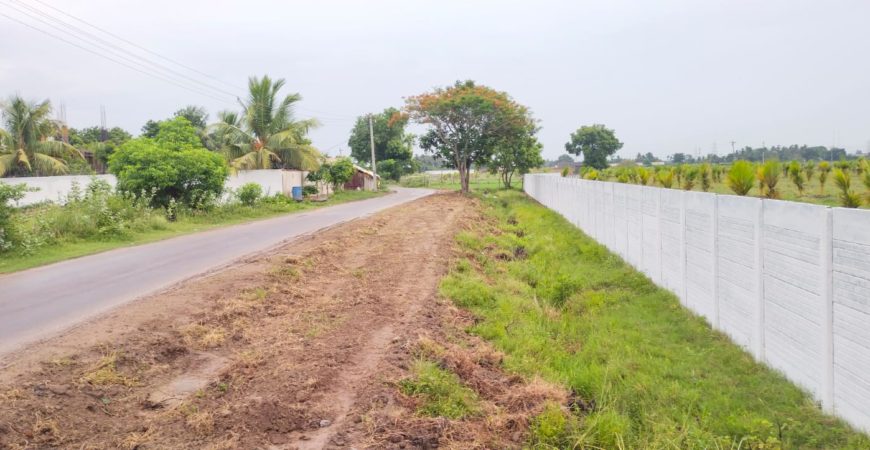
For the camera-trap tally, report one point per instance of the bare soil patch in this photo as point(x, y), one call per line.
point(296, 349)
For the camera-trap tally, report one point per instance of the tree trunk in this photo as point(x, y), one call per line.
point(463, 177)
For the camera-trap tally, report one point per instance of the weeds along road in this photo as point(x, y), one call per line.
point(40, 302)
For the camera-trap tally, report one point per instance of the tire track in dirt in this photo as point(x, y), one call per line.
point(297, 349)
point(300, 330)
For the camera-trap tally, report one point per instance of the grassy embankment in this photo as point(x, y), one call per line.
point(186, 223)
point(646, 372)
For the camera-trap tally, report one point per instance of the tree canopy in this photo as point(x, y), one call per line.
point(91, 135)
point(266, 134)
point(177, 134)
point(595, 142)
point(466, 121)
point(391, 141)
point(196, 115)
point(191, 176)
point(519, 153)
point(27, 140)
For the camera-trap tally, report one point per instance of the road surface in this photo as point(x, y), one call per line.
point(41, 302)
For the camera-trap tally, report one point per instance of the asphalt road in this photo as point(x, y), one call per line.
point(41, 302)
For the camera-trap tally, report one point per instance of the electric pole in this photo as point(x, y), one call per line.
point(372, 141)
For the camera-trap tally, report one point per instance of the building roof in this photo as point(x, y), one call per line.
point(365, 171)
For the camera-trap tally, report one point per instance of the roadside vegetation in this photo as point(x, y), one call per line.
point(440, 391)
point(844, 183)
point(643, 371)
point(170, 180)
point(95, 218)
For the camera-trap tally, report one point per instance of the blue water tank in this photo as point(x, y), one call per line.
point(297, 193)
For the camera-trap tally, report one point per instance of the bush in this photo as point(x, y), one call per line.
point(666, 178)
point(390, 169)
point(848, 197)
point(97, 212)
point(309, 190)
point(8, 194)
point(192, 177)
point(741, 177)
point(770, 172)
point(690, 175)
point(705, 172)
point(340, 172)
point(250, 193)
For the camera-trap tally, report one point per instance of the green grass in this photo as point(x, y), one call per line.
point(813, 193)
point(440, 392)
point(649, 373)
point(186, 224)
point(479, 180)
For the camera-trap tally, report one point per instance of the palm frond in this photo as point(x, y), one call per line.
point(7, 164)
point(301, 157)
point(257, 159)
point(57, 149)
point(45, 164)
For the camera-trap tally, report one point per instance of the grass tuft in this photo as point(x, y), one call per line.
point(439, 391)
point(105, 372)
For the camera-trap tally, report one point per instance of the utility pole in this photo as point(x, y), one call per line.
point(372, 141)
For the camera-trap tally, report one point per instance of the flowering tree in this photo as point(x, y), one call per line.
point(466, 121)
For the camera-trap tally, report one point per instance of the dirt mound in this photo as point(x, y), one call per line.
point(299, 348)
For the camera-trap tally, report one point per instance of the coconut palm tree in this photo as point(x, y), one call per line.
point(27, 144)
point(265, 134)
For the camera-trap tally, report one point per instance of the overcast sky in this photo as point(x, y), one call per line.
point(668, 76)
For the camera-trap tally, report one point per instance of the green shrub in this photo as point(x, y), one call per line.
point(866, 181)
point(309, 190)
point(690, 175)
point(192, 177)
point(770, 172)
point(97, 212)
point(741, 177)
point(340, 172)
point(666, 178)
point(9, 193)
point(824, 170)
point(797, 178)
point(810, 169)
point(848, 197)
point(705, 173)
point(643, 176)
point(250, 193)
point(390, 169)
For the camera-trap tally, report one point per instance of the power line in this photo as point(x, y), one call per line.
point(103, 47)
point(137, 45)
point(119, 48)
point(109, 58)
point(147, 66)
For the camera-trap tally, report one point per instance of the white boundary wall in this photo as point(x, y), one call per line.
point(56, 189)
point(789, 282)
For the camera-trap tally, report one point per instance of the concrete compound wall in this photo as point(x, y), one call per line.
point(789, 282)
point(56, 189)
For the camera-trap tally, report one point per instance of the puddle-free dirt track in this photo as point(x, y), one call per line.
point(300, 348)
